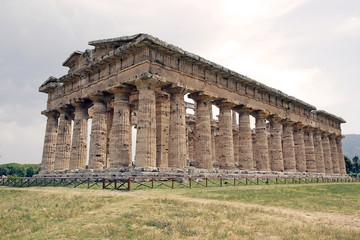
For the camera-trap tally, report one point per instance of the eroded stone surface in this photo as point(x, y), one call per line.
point(144, 79)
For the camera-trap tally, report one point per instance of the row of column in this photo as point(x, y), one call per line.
point(62, 153)
point(162, 140)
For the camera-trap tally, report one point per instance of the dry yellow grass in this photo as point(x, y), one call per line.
point(256, 212)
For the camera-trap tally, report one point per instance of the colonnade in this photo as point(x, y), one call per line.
point(165, 139)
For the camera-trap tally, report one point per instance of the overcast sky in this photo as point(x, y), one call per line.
point(309, 49)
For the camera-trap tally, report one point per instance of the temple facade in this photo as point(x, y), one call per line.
point(139, 82)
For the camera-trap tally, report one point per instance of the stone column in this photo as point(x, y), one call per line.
point(63, 143)
point(120, 142)
point(261, 146)
point(334, 154)
point(319, 153)
point(341, 154)
point(288, 146)
point(309, 150)
point(191, 143)
point(203, 147)
point(276, 155)
point(98, 137)
point(226, 144)
point(78, 153)
point(162, 129)
point(299, 147)
point(245, 150)
point(48, 157)
point(327, 154)
point(236, 144)
point(177, 133)
point(146, 127)
point(109, 118)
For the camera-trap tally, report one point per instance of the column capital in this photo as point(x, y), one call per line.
point(332, 136)
point(287, 122)
point(127, 89)
point(200, 96)
point(50, 113)
point(325, 134)
point(176, 88)
point(149, 81)
point(65, 109)
point(308, 129)
point(80, 102)
point(299, 125)
point(260, 114)
point(274, 118)
point(224, 103)
point(339, 137)
point(242, 109)
point(317, 131)
point(100, 96)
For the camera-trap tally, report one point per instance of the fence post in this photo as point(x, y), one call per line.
point(234, 182)
point(172, 183)
point(152, 183)
point(246, 179)
point(206, 182)
point(190, 182)
point(103, 181)
point(220, 182)
point(276, 180)
point(257, 181)
point(129, 184)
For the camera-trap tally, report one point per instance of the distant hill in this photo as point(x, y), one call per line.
point(351, 145)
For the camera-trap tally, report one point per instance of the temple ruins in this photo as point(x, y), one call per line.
point(137, 84)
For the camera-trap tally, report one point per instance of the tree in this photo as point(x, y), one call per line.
point(356, 165)
point(348, 165)
point(30, 172)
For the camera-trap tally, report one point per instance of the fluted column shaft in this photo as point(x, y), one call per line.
point(98, 137)
point(177, 133)
point(276, 156)
point(203, 146)
point(226, 144)
point(63, 143)
point(48, 157)
point(261, 146)
point(319, 153)
point(327, 154)
point(78, 153)
point(288, 147)
point(309, 150)
point(120, 142)
point(334, 154)
point(341, 155)
point(146, 127)
point(299, 148)
point(245, 140)
point(162, 129)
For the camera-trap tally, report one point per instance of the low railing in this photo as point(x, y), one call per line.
point(135, 183)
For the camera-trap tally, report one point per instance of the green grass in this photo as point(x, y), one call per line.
point(308, 211)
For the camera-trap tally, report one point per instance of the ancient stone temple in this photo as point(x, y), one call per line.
point(139, 84)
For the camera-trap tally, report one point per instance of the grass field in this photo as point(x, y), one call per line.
point(309, 211)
